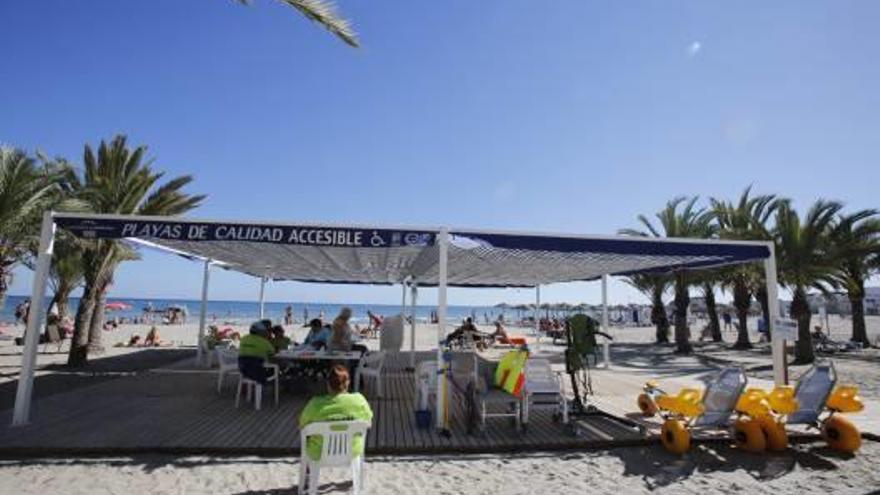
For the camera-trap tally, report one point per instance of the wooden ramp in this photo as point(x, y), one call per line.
point(176, 409)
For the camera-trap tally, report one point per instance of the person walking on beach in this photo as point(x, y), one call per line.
point(726, 317)
point(288, 315)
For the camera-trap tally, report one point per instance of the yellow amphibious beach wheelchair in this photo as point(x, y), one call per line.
point(757, 418)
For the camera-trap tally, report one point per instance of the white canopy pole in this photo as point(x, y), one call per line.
point(412, 325)
point(25, 389)
point(443, 253)
point(537, 309)
point(203, 313)
point(262, 297)
point(403, 298)
point(780, 369)
point(606, 351)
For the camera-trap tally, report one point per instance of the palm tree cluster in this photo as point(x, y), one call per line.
point(826, 249)
point(114, 179)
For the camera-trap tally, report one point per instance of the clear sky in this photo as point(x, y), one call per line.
point(569, 116)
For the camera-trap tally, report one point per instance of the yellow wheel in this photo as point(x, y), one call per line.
point(749, 436)
point(841, 434)
point(675, 436)
point(646, 405)
point(774, 434)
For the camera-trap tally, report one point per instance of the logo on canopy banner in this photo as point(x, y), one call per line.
point(90, 228)
point(785, 329)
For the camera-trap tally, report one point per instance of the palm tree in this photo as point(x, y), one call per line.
point(26, 191)
point(857, 252)
point(324, 13)
point(116, 180)
point(708, 287)
point(654, 286)
point(806, 260)
point(745, 220)
point(689, 221)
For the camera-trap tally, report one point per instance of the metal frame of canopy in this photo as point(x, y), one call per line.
point(550, 249)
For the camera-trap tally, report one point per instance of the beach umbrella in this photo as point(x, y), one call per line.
point(117, 306)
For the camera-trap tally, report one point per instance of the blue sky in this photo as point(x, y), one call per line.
point(569, 116)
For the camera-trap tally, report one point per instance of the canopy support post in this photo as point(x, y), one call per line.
point(537, 309)
point(262, 297)
point(606, 345)
point(413, 297)
point(403, 298)
point(780, 367)
point(24, 392)
point(442, 273)
point(203, 315)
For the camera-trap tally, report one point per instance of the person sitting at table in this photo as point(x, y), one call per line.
point(341, 338)
point(253, 351)
point(318, 335)
point(279, 340)
point(337, 405)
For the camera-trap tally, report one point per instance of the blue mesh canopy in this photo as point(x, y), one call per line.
point(387, 255)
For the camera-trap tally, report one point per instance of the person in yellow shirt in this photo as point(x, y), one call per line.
point(337, 405)
point(253, 351)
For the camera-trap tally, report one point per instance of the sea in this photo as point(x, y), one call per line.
point(243, 312)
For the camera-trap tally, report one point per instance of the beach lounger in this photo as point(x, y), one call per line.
point(543, 390)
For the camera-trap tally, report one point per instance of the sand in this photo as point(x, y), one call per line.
point(706, 470)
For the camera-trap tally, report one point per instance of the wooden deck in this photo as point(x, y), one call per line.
point(176, 409)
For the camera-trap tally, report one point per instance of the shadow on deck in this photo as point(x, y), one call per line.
point(176, 409)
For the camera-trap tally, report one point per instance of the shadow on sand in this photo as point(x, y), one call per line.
point(63, 379)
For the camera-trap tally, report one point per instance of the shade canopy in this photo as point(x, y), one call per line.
point(358, 254)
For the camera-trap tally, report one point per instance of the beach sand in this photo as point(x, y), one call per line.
point(707, 470)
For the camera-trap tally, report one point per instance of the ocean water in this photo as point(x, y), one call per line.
point(248, 311)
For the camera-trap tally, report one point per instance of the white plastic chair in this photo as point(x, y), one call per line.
point(370, 366)
point(336, 452)
point(227, 363)
point(255, 388)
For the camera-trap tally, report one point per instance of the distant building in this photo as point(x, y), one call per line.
point(838, 302)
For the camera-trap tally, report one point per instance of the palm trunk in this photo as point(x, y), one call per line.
point(5, 277)
point(800, 311)
point(764, 301)
point(96, 325)
point(857, 303)
point(742, 299)
point(79, 346)
point(682, 301)
point(659, 319)
point(712, 310)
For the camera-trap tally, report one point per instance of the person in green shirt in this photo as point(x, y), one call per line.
point(337, 405)
point(253, 351)
point(279, 340)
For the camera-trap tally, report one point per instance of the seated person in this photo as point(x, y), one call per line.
point(279, 340)
point(466, 332)
point(318, 335)
point(134, 341)
point(152, 339)
point(337, 405)
point(253, 351)
point(500, 334)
